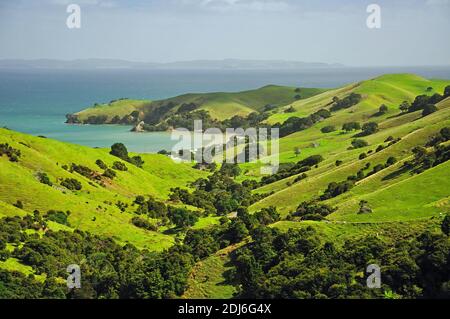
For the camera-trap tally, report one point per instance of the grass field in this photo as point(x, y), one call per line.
point(94, 207)
point(208, 277)
point(403, 204)
point(119, 108)
point(412, 128)
point(220, 105)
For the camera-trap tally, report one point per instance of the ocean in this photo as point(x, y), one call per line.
point(36, 101)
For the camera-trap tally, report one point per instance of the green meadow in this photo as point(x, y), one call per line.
point(402, 204)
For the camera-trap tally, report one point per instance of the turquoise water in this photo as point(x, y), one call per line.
point(36, 101)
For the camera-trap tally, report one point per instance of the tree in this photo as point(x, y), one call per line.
point(328, 129)
point(18, 204)
point(291, 109)
point(445, 226)
point(447, 91)
point(182, 218)
point(359, 143)
point(109, 173)
point(348, 127)
point(391, 161)
point(137, 161)
point(404, 107)
point(71, 184)
point(120, 166)
point(445, 133)
point(119, 150)
point(101, 164)
point(297, 151)
point(237, 231)
point(364, 207)
point(429, 109)
point(383, 109)
point(369, 128)
point(44, 179)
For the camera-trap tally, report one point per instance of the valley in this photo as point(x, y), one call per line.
point(363, 178)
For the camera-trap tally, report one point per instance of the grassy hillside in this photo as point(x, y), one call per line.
point(400, 202)
point(208, 278)
point(94, 207)
point(220, 105)
point(412, 128)
point(118, 108)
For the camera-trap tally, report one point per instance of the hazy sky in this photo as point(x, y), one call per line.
point(413, 32)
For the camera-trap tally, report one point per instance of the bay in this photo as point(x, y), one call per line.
point(36, 101)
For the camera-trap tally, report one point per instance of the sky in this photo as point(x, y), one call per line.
point(413, 32)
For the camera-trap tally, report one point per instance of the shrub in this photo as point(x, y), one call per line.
point(58, 217)
point(377, 168)
point(447, 91)
point(12, 153)
point(339, 163)
point(362, 156)
point(335, 189)
point(18, 204)
point(313, 211)
point(351, 126)
point(44, 179)
point(380, 148)
point(83, 170)
point(429, 109)
point(143, 223)
point(359, 143)
point(346, 102)
point(119, 150)
point(164, 152)
point(310, 161)
point(182, 217)
point(71, 184)
point(109, 173)
point(328, 129)
point(391, 161)
point(369, 128)
point(137, 161)
point(364, 207)
point(101, 164)
point(301, 177)
point(119, 166)
point(291, 109)
point(445, 226)
point(383, 109)
point(122, 206)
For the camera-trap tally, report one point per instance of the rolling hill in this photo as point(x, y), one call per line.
point(94, 207)
point(220, 105)
point(388, 195)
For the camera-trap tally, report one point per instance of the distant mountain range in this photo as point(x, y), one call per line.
point(227, 64)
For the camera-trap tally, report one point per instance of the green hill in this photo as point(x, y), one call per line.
point(220, 105)
point(390, 185)
point(412, 128)
point(94, 208)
